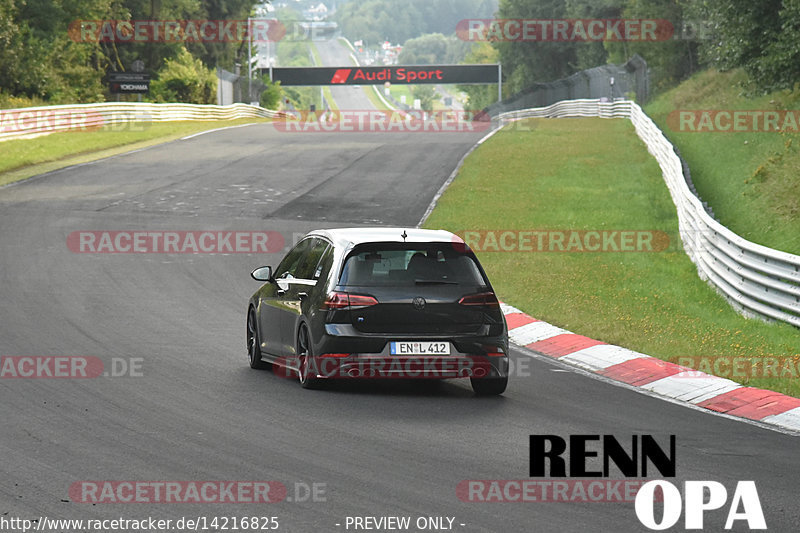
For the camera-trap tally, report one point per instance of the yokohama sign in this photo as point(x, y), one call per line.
point(378, 75)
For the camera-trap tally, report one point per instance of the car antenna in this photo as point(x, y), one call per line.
point(404, 235)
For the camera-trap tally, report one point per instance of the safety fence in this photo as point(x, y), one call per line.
point(34, 121)
point(757, 280)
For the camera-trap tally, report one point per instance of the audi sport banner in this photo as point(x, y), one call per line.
point(380, 75)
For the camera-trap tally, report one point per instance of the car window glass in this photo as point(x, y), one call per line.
point(410, 265)
point(288, 267)
point(325, 264)
point(310, 260)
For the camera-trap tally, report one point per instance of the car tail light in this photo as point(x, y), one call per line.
point(345, 300)
point(335, 355)
point(482, 298)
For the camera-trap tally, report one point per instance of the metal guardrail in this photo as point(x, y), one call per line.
point(755, 279)
point(34, 121)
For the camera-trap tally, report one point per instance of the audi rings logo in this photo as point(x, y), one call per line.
point(419, 303)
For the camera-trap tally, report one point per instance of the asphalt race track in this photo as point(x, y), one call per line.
point(334, 54)
point(198, 412)
point(194, 411)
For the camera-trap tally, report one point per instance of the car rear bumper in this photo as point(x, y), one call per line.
point(340, 351)
point(410, 367)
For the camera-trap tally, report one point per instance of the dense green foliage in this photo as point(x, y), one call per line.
point(41, 62)
point(434, 48)
point(184, 79)
point(426, 95)
point(271, 96)
point(755, 188)
point(480, 96)
point(528, 62)
point(292, 53)
point(762, 37)
point(375, 21)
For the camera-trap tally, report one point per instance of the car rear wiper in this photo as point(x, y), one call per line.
point(435, 282)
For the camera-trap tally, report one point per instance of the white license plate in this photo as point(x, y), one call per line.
point(420, 348)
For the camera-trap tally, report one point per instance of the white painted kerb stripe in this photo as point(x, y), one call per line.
point(534, 332)
point(789, 419)
point(508, 309)
point(601, 356)
point(694, 389)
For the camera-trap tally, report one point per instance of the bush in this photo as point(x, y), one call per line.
point(184, 79)
point(271, 97)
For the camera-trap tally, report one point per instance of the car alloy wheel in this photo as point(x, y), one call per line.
point(308, 378)
point(254, 342)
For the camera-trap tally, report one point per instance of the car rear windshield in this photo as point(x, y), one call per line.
point(410, 264)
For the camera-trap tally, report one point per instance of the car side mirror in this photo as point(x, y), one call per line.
point(262, 274)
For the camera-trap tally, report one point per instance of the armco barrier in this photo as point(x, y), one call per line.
point(34, 121)
point(757, 280)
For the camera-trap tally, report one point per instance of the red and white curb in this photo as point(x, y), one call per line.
point(654, 375)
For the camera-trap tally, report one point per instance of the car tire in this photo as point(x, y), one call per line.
point(489, 386)
point(254, 342)
point(308, 380)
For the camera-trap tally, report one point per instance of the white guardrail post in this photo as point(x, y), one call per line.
point(756, 280)
point(34, 121)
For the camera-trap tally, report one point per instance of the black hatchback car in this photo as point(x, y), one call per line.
point(379, 302)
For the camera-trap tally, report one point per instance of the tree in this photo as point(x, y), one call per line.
point(426, 50)
point(480, 96)
point(780, 68)
point(527, 62)
point(426, 96)
point(593, 53)
point(671, 60)
point(272, 95)
point(375, 21)
point(184, 79)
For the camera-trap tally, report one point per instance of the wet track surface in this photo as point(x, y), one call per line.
point(195, 411)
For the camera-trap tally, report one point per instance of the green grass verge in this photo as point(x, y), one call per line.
point(595, 174)
point(329, 98)
point(750, 179)
point(344, 42)
point(315, 54)
point(408, 91)
point(402, 90)
point(372, 93)
point(23, 158)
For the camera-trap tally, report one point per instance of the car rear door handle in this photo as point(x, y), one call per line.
point(302, 295)
point(281, 292)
